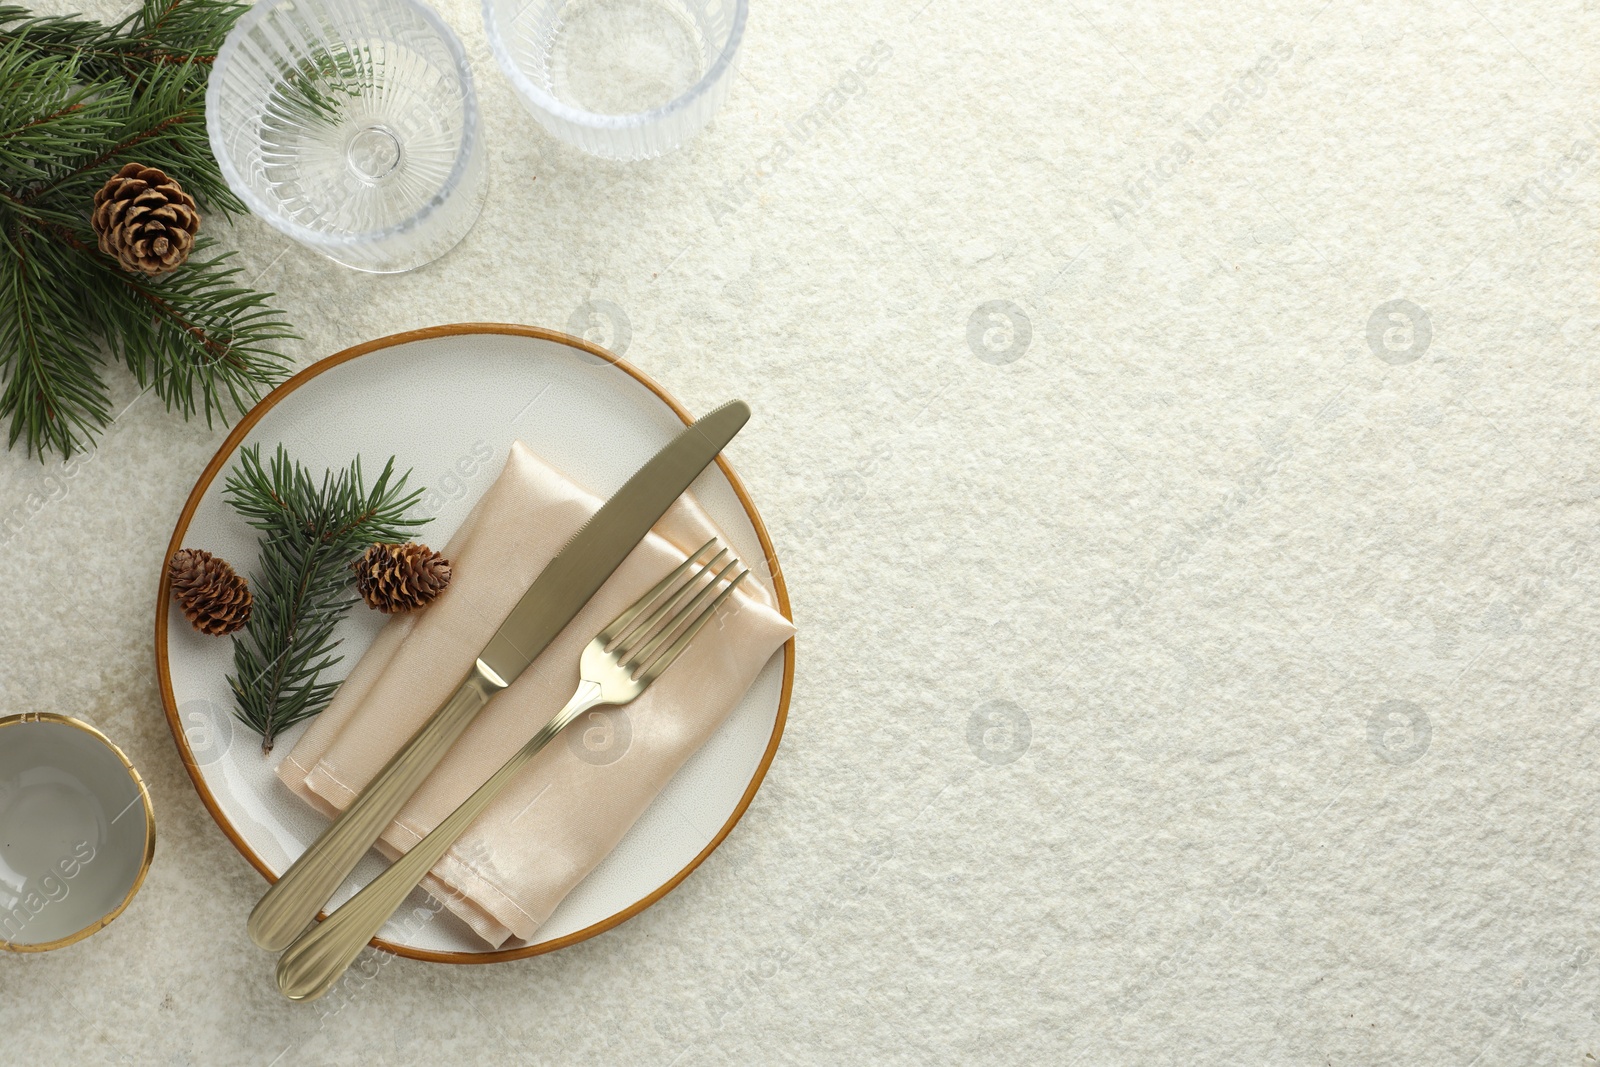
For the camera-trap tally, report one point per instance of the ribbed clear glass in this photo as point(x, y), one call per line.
point(351, 126)
point(622, 79)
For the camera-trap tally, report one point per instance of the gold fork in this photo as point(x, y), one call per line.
point(617, 666)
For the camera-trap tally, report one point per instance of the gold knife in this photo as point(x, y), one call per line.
point(562, 588)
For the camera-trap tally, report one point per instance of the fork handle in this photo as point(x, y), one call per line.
point(317, 959)
point(291, 904)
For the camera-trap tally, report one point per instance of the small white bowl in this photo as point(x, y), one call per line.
point(77, 832)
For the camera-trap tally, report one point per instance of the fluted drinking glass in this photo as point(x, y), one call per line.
point(622, 79)
point(352, 127)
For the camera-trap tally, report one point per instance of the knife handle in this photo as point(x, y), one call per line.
point(322, 954)
point(291, 905)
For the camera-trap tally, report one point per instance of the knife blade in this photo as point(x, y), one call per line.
point(588, 559)
point(556, 595)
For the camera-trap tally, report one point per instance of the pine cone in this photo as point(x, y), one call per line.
point(214, 598)
point(145, 220)
point(396, 578)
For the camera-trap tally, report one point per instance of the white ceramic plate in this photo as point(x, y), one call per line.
point(447, 403)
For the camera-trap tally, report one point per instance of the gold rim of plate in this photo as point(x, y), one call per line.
point(231, 444)
point(149, 831)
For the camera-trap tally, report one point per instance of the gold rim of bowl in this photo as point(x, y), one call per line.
point(149, 830)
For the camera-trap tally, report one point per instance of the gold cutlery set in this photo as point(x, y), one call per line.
point(618, 665)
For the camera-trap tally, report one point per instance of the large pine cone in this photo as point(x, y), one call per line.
point(214, 597)
point(145, 220)
point(396, 578)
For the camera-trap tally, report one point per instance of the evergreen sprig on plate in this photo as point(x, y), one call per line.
point(310, 535)
point(78, 100)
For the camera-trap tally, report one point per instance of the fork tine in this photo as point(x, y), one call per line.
point(663, 661)
point(662, 636)
point(620, 623)
point(629, 640)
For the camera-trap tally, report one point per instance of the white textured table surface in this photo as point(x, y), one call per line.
point(1213, 682)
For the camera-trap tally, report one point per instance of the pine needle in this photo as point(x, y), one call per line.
point(302, 585)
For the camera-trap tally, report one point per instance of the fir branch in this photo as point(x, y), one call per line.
point(189, 29)
point(46, 116)
point(200, 339)
point(53, 394)
point(162, 125)
point(302, 584)
point(79, 100)
point(49, 36)
point(160, 33)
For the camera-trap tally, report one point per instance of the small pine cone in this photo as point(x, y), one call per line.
point(214, 597)
point(396, 578)
point(145, 220)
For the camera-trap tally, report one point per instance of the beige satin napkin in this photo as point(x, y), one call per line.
point(563, 814)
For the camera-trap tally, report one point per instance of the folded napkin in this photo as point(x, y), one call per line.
point(563, 814)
